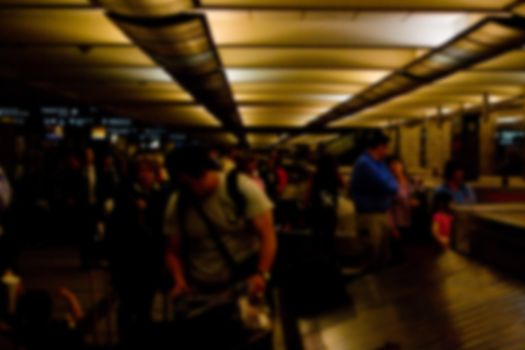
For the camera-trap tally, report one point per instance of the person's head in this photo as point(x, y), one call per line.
point(146, 172)
point(35, 307)
point(395, 165)
point(377, 145)
point(442, 201)
point(195, 170)
point(454, 173)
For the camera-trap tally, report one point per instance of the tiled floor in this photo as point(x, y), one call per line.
point(431, 302)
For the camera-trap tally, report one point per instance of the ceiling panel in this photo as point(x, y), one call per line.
point(288, 61)
point(291, 99)
point(416, 99)
point(280, 112)
point(485, 78)
point(288, 121)
point(107, 94)
point(44, 2)
point(172, 115)
point(81, 56)
point(108, 75)
point(57, 26)
point(312, 58)
point(296, 88)
point(368, 4)
point(262, 140)
point(243, 75)
point(131, 88)
point(514, 60)
point(360, 121)
point(312, 139)
point(255, 28)
point(285, 115)
point(437, 89)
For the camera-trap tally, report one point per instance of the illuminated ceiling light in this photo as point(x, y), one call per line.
point(489, 38)
point(496, 98)
point(331, 97)
point(183, 45)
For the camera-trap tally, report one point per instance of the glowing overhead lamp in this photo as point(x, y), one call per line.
point(182, 44)
point(489, 38)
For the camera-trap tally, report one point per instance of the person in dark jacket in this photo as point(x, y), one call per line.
point(372, 188)
point(136, 250)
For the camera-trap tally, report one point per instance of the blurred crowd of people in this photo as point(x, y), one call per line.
point(178, 219)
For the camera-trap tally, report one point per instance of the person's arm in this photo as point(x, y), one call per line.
point(74, 306)
point(380, 180)
point(172, 254)
point(260, 217)
point(263, 226)
point(175, 267)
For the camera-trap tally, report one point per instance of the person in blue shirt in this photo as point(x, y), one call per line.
point(372, 188)
point(455, 186)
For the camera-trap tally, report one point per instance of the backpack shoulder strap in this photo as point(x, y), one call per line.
point(184, 203)
point(232, 187)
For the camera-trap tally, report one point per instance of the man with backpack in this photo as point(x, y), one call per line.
point(220, 232)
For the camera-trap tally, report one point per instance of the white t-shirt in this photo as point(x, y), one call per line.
point(205, 262)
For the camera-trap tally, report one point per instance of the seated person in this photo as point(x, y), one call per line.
point(455, 185)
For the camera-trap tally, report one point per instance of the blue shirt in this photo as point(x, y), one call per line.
point(464, 195)
point(372, 185)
